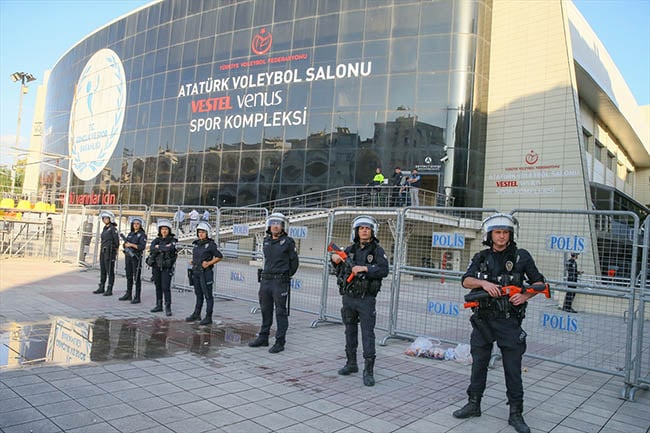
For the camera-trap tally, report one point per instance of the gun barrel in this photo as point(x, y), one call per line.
point(476, 295)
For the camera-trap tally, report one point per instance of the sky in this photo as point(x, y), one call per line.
point(34, 34)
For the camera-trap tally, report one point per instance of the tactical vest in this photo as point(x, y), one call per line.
point(495, 308)
point(360, 286)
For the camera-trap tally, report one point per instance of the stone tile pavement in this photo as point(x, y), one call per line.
point(177, 379)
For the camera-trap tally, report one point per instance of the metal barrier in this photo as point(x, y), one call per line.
point(239, 236)
point(599, 337)
point(428, 250)
point(437, 243)
point(638, 375)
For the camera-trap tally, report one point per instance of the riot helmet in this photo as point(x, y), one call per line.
point(499, 221)
point(205, 227)
point(107, 214)
point(364, 221)
point(276, 218)
point(164, 222)
point(136, 219)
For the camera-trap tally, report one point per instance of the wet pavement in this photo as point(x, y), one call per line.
point(68, 341)
point(71, 361)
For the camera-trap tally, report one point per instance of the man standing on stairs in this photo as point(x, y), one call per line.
point(359, 279)
point(280, 264)
point(109, 244)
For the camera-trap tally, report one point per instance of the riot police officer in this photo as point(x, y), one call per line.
point(359, 280)
point(134, 245)
point(498, 318)
point(280, 264)
point(205, 255)
point(162, 259)
point(109, 244)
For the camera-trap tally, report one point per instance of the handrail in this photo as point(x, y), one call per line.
point(347, 196)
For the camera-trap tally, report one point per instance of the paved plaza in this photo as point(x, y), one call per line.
point(149, 373)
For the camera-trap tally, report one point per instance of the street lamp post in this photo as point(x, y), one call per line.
point(24, 78)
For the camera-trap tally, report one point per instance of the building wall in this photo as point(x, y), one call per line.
point(171, 150)
point(533, 156)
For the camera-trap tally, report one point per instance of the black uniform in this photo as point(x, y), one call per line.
point(498, 319)
point(203, 251)
point(359, 295)
point(133, 261)
point(109, 244)
point(280, 264)
point(572, 277)
point(163, 254)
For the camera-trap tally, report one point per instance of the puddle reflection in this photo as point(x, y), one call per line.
point(63, 340)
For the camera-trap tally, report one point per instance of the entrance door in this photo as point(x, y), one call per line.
point(430, 184)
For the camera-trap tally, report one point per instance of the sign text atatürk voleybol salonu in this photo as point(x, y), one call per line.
point(256, 93)
point(97, 114)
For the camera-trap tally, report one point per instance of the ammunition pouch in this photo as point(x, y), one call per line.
point(500, 308)
point(165, 260)
point(359, 287)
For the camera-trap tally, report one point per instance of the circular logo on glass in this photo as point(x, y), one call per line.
point(97, 113)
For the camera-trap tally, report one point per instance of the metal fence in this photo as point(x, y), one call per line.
point(428, 250)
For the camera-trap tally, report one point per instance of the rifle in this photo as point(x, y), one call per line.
point(128, 251)
point(472, 299)
point(332, 248)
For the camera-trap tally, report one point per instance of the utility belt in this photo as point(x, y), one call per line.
point(272, 276)
point(499, 308)
point(360, 287)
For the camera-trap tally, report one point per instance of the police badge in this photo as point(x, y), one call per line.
point(370, 258)
point(509, 266)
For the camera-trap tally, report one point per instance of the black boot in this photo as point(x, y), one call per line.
point(109, 291)
point(126, 296)
point(472, 408)
point(196, 315)
point(157, 308)
point(277, 347)
point(99, 290)
point(368, 375)
point(516, 419)
point(350, 365)
point(136, 298)
point(259, 341)
point(168, 310)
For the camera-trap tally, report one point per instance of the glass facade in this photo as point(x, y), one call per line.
point(231, 103)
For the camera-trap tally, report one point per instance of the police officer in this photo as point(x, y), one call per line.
point(280, 264)
point(162, 259)
point(205, 255)
point(134, 245)
point(499, 317)
point(109, 244)
point(368, 263)
point(572, 277)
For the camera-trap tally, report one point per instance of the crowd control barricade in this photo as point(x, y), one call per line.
point(640, 372)
point(239, 235)
point(340, 232)
point(599, 336)
point(436, 244)
point(308, 228)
